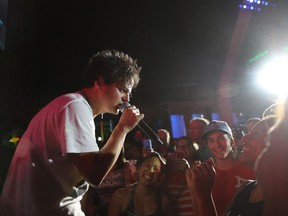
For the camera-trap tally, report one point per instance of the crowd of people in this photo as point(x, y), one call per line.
point(58, 168)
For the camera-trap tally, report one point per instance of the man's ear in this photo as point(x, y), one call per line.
point(99, 82)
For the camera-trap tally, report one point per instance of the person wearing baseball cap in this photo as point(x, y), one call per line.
point(229, 172)
point(217, 125)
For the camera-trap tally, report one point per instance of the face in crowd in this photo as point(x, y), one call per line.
point(185, 147)
point(220, 144)
point(255, 141)
point(196, 128)
point(164, 136)
point(150, 170)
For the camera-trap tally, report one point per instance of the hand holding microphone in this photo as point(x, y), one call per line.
point(130, 118)
point(143, 126)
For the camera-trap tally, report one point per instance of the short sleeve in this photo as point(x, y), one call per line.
point(79, 128)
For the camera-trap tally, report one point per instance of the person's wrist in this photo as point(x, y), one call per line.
point(204, 197)
point(121, 128)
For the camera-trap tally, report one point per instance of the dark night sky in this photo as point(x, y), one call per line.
point(182, 45)
point(179, 44)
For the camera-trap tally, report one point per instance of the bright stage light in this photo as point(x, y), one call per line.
point(274, 76)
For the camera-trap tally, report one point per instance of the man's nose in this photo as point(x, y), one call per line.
point(218, 142)
point(126, 98)
point(151, 170)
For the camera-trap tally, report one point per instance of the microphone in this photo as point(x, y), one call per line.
point(144, 127)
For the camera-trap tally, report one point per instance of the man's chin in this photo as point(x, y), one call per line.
point(116, 111)
point(113, 111)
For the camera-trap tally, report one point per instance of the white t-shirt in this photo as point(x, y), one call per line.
point(41, 179)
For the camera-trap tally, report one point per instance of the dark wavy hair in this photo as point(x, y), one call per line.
point(114, 67)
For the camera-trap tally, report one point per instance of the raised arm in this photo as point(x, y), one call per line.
point(200, 179)
point(94, 166)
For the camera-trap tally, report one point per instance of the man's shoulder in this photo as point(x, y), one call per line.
point(74, 99)
point(69, 97)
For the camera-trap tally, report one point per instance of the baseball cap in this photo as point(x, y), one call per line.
point(217, 126)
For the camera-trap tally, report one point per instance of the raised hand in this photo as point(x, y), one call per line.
point(200, 178)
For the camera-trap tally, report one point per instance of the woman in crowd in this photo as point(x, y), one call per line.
point(120, 175)
point(144, 197)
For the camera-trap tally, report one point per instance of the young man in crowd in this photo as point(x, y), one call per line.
point(230, 173)
point(249, 199)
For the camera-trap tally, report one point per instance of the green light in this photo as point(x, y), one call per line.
point(260, 55)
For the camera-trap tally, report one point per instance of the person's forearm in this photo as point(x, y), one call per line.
point(115, 142)
point(206, 207)
point(94, 166)
point(111, 150)
point(194, 203)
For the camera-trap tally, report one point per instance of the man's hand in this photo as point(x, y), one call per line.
point(200, 177)
point(130, 118)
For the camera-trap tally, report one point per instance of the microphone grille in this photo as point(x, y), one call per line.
point(123, 106)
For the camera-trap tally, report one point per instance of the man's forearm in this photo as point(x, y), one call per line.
point(206, 207)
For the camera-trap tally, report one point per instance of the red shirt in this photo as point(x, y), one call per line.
point(226, 184)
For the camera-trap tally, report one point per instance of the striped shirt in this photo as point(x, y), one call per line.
point(181, 199)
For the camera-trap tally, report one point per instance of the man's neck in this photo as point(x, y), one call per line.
point(225, 164)
point(91, 96)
